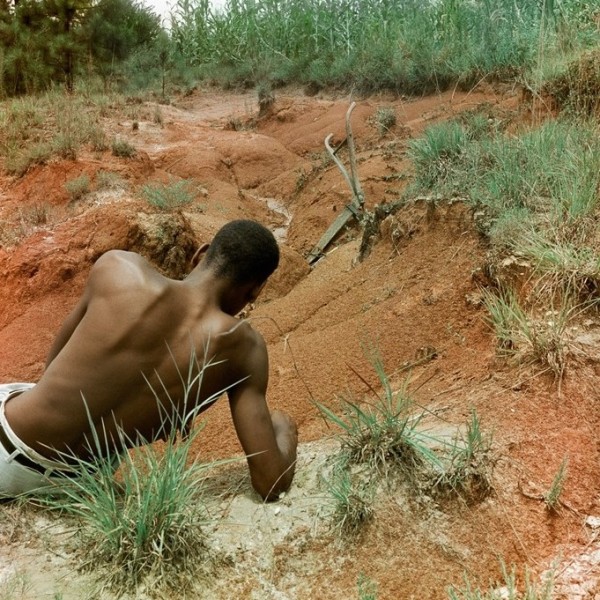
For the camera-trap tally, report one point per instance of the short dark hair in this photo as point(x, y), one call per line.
point(243, 251)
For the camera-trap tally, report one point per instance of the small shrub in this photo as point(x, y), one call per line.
point(382, 434)
point(385, 118)
point(169, 196)
point(106, 180)
point(146, 521)
point(122, 148)
point(266, 99)
point(37, 214)
point(65, 145)
point(78, 187)
point(98, 139)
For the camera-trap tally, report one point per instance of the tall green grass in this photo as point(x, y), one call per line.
point(406, 46)
point(536, 195)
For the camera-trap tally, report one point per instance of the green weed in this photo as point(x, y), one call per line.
point(552, 496)
point(122, 148)
point(143, 523)
point(353, 495)
point(469, 464)
point(381, 434)
point(78, 187)
point(367, 588)
point(109, 180)
point(171, 195)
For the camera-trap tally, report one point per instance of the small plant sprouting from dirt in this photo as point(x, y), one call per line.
point(266, 100)
point(353, 494)
point(552, 496)
point(108, 180)
point(122, 148)
point(385, 119)
point(468, 472)
point(536, 334)
point(78, 187)
point(169, 196)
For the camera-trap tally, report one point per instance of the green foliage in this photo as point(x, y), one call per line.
point(552, 496)
point(381, 434)
point(146, 520)
point(78, 187)
point(468, 469)
point(122, 148)
point(109, 180)
point(353, 496)
point(171, 195)
point(382, 440)
point(538, 335)
point(405, 47)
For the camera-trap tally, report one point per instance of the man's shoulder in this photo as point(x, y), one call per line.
point(117, 267)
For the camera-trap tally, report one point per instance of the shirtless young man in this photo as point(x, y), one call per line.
point(119, 358)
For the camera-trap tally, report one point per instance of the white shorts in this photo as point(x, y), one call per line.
point(22, 469)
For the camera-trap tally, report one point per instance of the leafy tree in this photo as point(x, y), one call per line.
point(116, 29)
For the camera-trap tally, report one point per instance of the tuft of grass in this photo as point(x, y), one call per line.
point(552, 496)
point(537, 335)
point(106, 180)
point(507, 589)
point(171, 195)
point(122, 148)
point(78, 187)
point(385, 119)
point(353, 497)
point(142, 524)
point(381, 434)
point(468, 472)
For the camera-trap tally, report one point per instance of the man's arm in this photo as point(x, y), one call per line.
point(269, 440)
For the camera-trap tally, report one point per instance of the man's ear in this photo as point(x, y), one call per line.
point(199, 255)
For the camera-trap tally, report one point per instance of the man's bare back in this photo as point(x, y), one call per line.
point(140, 352)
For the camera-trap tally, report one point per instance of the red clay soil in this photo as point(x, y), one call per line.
point(416, 295)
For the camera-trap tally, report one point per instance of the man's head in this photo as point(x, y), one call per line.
point(244, 252)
